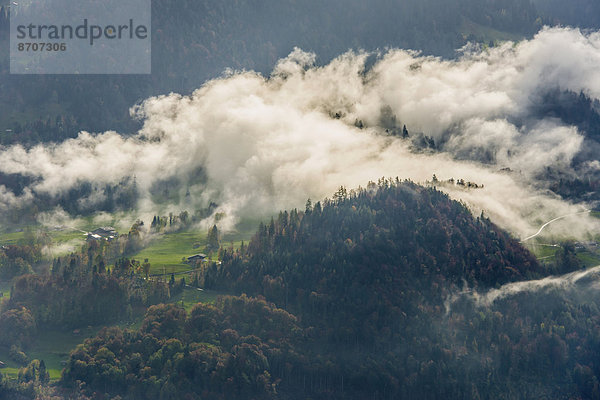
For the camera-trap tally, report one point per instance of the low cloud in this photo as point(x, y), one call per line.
point(575, 282)
point(255, 144)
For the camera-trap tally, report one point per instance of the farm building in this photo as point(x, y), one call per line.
point(105, 233)
point(195, 259)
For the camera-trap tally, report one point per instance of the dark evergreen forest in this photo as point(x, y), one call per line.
point(360, 297)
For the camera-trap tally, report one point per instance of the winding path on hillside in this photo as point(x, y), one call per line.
point(551, 221)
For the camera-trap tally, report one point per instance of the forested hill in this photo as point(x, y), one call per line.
point(196, 40)
point(358, 297)
point(372, 255)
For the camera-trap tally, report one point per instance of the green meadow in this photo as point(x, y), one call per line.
point(541, 251)
point(589, 258)
point(165, 252)
point(51, 346)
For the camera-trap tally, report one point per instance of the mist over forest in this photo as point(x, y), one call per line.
point(309, 199)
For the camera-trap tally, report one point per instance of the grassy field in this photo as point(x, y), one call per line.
point(51, 346)
point(62, 240)
point(54, 347)
point(67, 239)
point(589, 259)
point(166, 251)
point(7, 238)
point(541, 252)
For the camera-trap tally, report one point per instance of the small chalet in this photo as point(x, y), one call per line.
point(196, 259)
point(107, 233)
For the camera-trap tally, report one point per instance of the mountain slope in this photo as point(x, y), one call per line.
point(373, 255)
point(195, 41)
point(364, 299)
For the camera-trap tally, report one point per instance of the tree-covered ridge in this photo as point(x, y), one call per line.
point(372, 254)
point(360, 296)
point(222, 351)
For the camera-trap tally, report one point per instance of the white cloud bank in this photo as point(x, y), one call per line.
point(267, 143)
